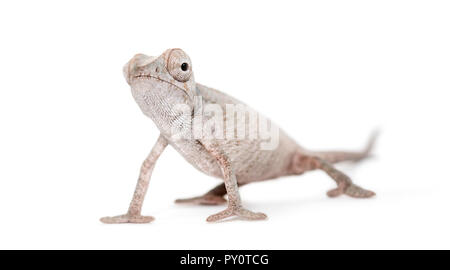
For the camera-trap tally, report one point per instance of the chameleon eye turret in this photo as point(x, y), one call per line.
point(178, 65)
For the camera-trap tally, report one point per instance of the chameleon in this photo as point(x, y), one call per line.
point(160, 85)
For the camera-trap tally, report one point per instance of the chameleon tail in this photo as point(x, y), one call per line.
point(339, 156)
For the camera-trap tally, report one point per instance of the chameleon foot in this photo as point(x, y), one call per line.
point(239, 212)
point(204, 200)
point(351, 190)
point(127, 218)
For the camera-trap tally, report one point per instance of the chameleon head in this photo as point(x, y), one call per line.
point(173, 68)
point(160, 83)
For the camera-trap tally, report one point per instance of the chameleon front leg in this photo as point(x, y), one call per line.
point(235, 207)
point(134, 211)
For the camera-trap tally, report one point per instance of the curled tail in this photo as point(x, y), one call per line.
point(339, 156)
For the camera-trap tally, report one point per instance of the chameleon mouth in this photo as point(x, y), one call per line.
point(141, 77)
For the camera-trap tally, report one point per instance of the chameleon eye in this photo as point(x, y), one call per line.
point(179, 65)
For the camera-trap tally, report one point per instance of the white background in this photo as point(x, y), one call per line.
point(72, 138)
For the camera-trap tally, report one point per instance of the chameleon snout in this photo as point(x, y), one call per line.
point(136, 65)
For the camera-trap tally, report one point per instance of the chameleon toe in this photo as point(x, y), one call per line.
point(127, 219)
point(241, 212)
point(358, 192)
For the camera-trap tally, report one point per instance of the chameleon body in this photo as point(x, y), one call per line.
point(160, 85)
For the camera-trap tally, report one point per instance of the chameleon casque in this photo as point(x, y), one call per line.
point(159, 85)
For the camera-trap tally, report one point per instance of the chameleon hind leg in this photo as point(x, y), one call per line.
point(324, 160)
point(303, 163)
point(213, 197)
point(345, 184)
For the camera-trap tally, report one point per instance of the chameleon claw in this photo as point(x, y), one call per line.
point(358, 192)
point(335, 192)
point(127, 218)
point(352, 190)
point(239, 212)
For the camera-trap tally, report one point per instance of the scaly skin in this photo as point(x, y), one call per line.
point(160, 84)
